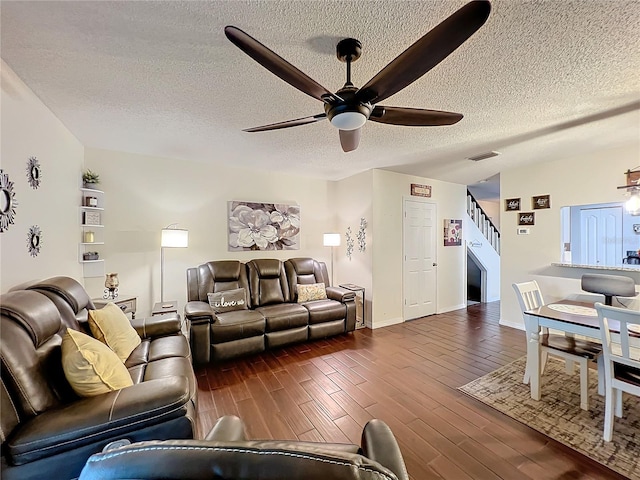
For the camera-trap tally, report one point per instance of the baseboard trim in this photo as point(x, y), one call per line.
point(451, 309)
point(507, 323)
point(386, 323)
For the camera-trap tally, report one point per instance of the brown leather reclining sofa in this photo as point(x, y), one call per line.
point(273, 318)
point(47, 431)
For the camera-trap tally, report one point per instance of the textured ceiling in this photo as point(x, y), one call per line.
point(540, 80)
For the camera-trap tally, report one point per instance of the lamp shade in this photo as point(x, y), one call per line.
point(174, 238)
point(331, 240)
point(633, 204)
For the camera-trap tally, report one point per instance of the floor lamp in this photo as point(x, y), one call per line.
point(331, 240)
point(171, 238)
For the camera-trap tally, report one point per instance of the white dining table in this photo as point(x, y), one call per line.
point(567, 316)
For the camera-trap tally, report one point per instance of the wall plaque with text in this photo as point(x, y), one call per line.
point(420, 190)
point(526, 218)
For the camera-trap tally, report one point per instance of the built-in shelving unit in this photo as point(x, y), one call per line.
point(91, 232)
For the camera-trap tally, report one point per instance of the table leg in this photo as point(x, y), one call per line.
point(533, 355)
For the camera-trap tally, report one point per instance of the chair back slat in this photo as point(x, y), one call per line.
point(529, 295)
point(626, 318)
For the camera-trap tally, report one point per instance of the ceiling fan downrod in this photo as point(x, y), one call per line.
point(348, 50)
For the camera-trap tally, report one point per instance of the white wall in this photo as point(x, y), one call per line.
point(353, 199)
point(572, 181)
point(389, 190)
point(144, 194)
point(492, 209)
point(30, 129)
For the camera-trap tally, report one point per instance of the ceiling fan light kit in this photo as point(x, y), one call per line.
point(348, 120)
point(349, 108)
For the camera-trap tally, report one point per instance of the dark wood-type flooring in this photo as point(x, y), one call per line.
point(406, 375)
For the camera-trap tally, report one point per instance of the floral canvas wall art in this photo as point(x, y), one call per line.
point(263, 226)
point(452, 233)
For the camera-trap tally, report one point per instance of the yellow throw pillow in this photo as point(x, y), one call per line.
point(310, 292)
point(90, 366)
point(112, 327)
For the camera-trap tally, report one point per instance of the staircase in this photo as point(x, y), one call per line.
point(483, 222)
point(483, 249)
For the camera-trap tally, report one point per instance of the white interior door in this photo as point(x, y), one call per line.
point(419, 250)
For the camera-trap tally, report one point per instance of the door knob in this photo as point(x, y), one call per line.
point(435, 264)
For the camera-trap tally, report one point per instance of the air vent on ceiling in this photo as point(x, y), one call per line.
point(483, 156)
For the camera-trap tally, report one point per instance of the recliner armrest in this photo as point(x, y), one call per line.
point(340, 294)
point(104, 417)
point(157, 326)
point(199, 312)
point(379, 444)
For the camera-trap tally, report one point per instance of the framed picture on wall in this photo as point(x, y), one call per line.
point(452, 233)
point(263, 226)
point(512, 204)
point(526, 218)
point(541, 201)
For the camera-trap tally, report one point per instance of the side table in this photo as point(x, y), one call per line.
point(170, 306)
point(127, 303)
point(360, 318)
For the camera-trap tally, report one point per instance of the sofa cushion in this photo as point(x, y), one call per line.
point(162, 347)
point(236, 325)
point(111, 326)
point(310, 292)
point(321, 311)
point(284, 316)
point(267, 282)
point(90, 366)
point(228, 301)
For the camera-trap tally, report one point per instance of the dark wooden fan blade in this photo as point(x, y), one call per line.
point(288, 123)
point(426, 53)
point(276, 64)
point(349, 139)
point(413, 117)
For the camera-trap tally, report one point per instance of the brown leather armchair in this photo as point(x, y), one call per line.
point(226, 454)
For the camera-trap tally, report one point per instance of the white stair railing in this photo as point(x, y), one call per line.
point(483, 222)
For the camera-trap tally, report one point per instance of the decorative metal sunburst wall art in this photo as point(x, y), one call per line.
point(8, 202)
point(34, 172)
point(34, 240)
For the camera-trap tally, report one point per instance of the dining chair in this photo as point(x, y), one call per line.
point(571, 349)
point(621, 371)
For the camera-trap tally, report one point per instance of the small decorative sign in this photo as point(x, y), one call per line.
point(420, 190)
point(512, 204)
point(452, 233)
point(541, 201)
point(92, 218)
point(526, 218)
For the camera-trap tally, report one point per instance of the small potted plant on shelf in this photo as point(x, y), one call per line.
point(90, 179)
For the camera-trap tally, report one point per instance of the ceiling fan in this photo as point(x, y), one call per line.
point(349, 108)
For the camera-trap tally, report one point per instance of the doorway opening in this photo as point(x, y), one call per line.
point(476, 280)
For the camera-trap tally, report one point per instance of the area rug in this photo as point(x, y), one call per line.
point(558, 414)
